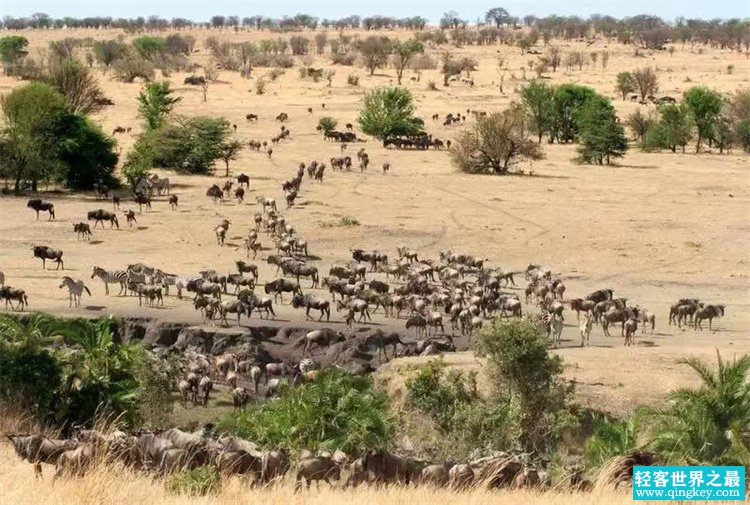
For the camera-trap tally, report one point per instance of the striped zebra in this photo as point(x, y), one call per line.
point(75, 290)
point(306, 365)
point(133, 279)
point(114, 277)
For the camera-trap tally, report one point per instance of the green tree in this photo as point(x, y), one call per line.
point(709, 425)
point(374, 51)
point(403, 52)
point(106, 52)
point(673, 129)
point(600, 134)
point(26, 139)
point(705, 106)
point(389, 111)
point(494, 144)
point(537, 99)
point(520, 365)
point(568, 99)
point(739, 113)
point(625, 84)
point(336, 411)
point(155, 102)
point(87, 155)
point(77, 83)
point(12, 49)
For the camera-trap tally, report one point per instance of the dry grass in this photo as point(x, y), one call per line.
point(113, 486)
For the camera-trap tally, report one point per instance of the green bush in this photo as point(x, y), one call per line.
point(12, 49)
point(600, 134)
point(149, 47)
point(519, 365)
point(106, 52)
point(389, 111)
point(327, 123)
point(568, 99)
point(611, 438)
point(336, 411)
point(155, 102)
point(201, 481)
point(130, 68)
point(29, 377)
point(87, 155)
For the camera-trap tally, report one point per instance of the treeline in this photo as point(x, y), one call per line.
point(645, 30)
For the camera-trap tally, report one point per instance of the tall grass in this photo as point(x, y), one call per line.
point(115, 486)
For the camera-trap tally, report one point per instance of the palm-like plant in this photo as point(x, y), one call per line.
point(709, 425)
point(611, 439)
point(36, 331)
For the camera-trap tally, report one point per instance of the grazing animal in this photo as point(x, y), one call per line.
point(315, 469)
point(101, 215)
point(130, 218)
point(629, 328)
point(204, 389)
point(142, 200)
point(173, 201)
point(280, 286)
point(75, 290)
point(82, 231)
point(115, 202)
point(114, 277)
point(243, 179)
point(41, 205)
point(45, 253)
point(311, 302)
point(708, 312)
point(382, 341)
point(10, 294)
point(322, 338)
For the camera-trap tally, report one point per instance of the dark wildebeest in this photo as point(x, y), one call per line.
point(101, 215)
point(600, 295)
point(312, 302)
point(41, 205)
point(243, 179)
point(9, 294)
point(382, 341)
point(45, 253)
point(386, 468)
point(280, 286)
point(708, 312)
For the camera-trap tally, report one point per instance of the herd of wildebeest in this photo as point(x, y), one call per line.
point(164, 452)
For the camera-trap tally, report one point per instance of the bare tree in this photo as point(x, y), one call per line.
point(554, 56)
point(375, 50)
point(403, 52)
point(229, 152)
point(645, 80)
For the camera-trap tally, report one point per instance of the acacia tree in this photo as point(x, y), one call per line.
point(554, 57)
point(640, 124)
point(646, 81)
point(673, 129)
point(497, 15)
point(494, 144)
point(12, 49)
point(77, 83)
point(403, 52)
point(537, 102)
point(375, 50)
point(230, 151)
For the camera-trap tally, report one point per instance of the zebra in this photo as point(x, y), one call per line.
point(306, 365)
point(75, 290)
point(135, 278)
point(114, 277)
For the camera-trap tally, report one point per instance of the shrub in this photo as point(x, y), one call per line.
point(646, 81)
point(189, 145)
point(12, 49)
point(494, 143)
point(29, 377)
point(432, 86)
point(201, 481)
point(131, 68)
point(87, 156)
point(389, 111)
point(568, 99)
point(521, 366)
point(179, 44)
point(149, 47)
point(609, 439)
point(327, 123)
point(299, 45)
point(275, 73)
point(673, 129)
point(106, 52)
point(352, 80)
point(423, 62)
point(705, 106)
point(336, 411)
point(346, 59)
point(625, 84)
point(640, 123)
point(260, 86)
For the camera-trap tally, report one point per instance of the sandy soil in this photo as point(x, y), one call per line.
point(655, 228)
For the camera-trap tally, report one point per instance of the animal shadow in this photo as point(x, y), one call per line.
point(95, 242)
point(94, 307)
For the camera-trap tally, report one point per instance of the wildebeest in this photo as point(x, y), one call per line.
point(382, 341)
point(38, 449)
point(9, 294)
point(41, 205)
point(45, 253)
point(386, 468)
point(316, 469)
point(82, 230)
point(708, 312)
point(101, 215)
point(312, 302)
point(280, 286)
point(322, 338)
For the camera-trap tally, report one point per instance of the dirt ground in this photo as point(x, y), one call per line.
point(655, 228)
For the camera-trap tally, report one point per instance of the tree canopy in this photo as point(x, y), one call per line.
point(389, 111)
